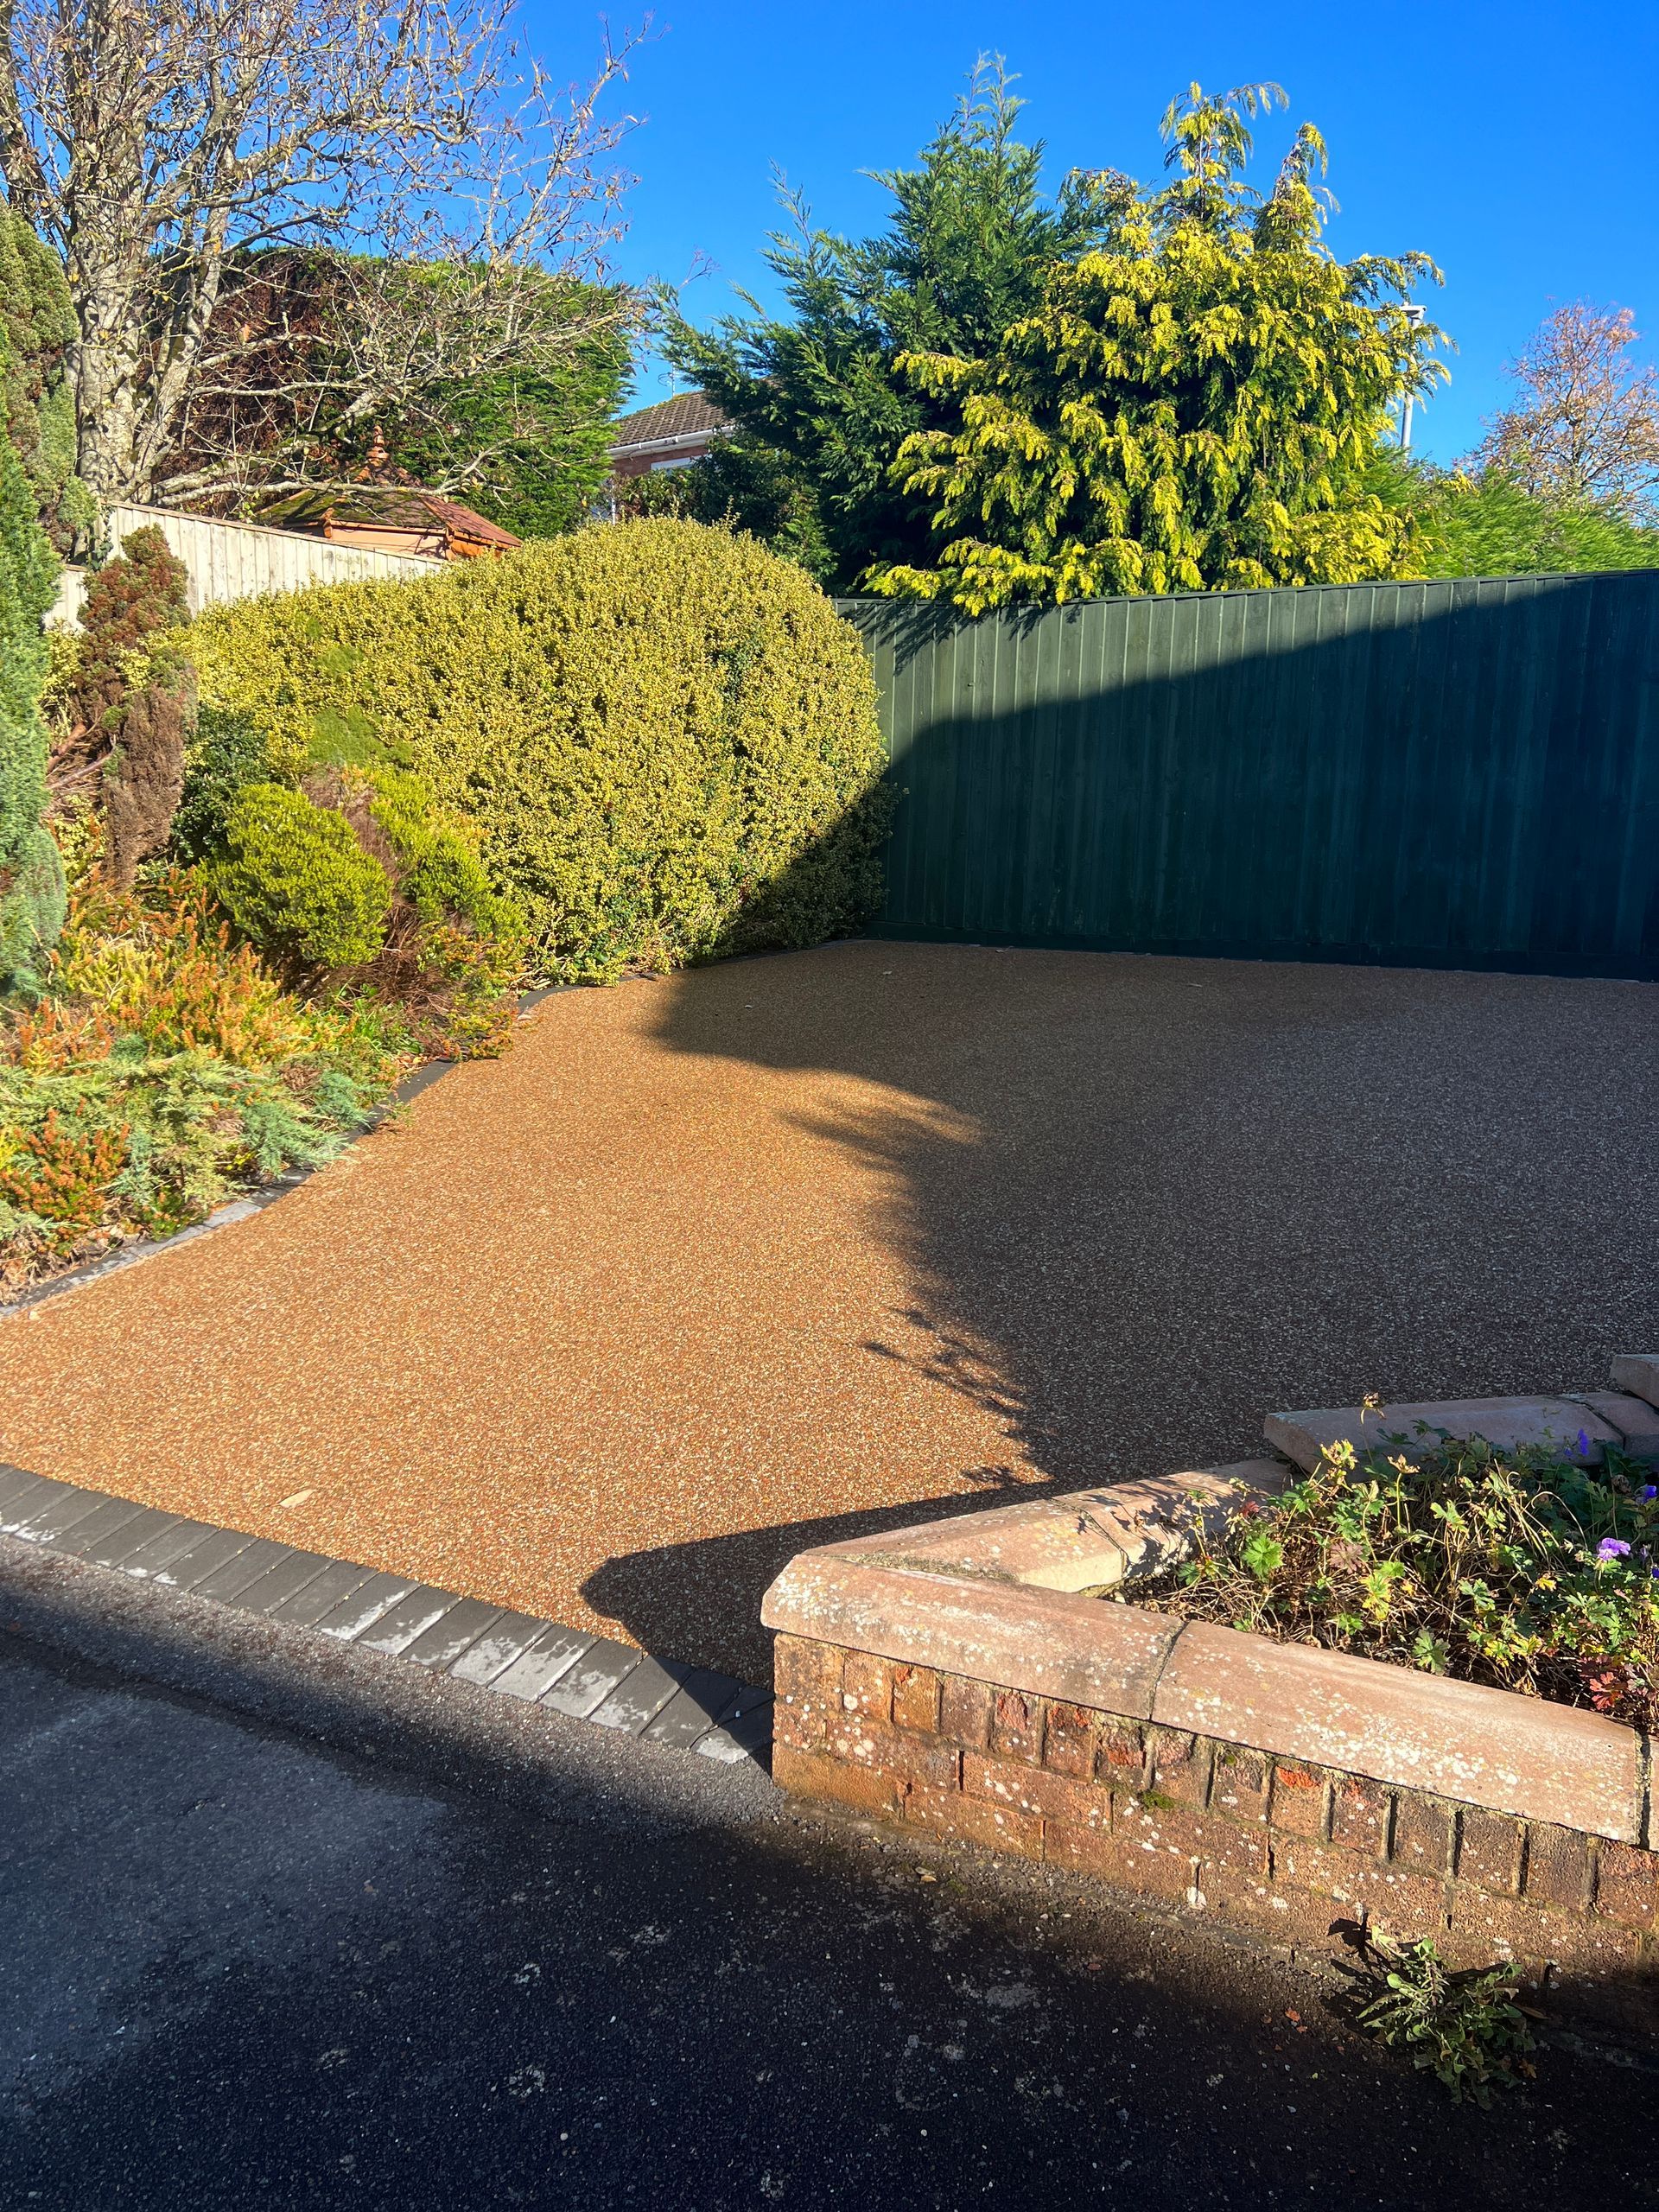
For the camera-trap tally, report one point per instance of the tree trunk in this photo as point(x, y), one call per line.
point(105, 367)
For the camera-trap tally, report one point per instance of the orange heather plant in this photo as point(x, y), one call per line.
point(61, 1176)
point(162, 964)
point(164, 1066)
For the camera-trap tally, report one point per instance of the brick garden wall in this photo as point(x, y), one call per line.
point(1281, 1852)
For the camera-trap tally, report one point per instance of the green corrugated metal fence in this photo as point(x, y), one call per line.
point(1461, 774)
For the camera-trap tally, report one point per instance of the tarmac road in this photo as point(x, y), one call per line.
point(281, 1928)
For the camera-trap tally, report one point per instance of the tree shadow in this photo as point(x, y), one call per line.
point(1141, 1202)
point(1445, 774)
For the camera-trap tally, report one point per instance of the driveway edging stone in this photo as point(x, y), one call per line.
point(250, 1202)
point(571, 1671)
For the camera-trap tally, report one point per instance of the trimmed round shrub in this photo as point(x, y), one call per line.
point(296, 881)
point(665, 735)
point(438, 871)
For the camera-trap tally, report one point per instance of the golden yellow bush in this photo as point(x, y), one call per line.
point(666, 734)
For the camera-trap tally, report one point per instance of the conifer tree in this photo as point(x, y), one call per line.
point(31, 875)
point(1200, 407)
point(821, 407)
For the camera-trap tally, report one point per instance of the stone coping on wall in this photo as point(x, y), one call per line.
point(997, 1597)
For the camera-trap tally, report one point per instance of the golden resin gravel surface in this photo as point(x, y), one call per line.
point(712, 1268)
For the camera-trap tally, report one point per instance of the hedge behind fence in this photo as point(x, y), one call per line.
point(667, 735)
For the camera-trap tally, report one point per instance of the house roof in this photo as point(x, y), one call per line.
point(689, 414)
point(384, 506)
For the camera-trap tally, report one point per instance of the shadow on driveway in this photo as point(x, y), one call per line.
point(1144, 1201)
point(1154, 1199)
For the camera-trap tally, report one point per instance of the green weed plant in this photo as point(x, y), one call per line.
point(1464, 2026)
point(1532, 1570)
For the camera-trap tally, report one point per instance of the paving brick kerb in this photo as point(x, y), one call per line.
point(959, 1681)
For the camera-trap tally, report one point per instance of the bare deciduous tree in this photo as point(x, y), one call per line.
point(1587, 424)
point(450, 197)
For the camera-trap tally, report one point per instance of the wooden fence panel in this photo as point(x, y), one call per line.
point(241, 560)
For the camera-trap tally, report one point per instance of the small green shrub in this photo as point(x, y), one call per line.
point(228, 752)
point(295, 880)
point(445, 947)
point(1465, 2026)
point(438, 871)
point(665, 735)
point(453, 958)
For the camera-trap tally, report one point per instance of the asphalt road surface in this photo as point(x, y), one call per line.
point(281, 1928)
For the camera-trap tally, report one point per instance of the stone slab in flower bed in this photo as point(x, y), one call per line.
point(964, 1677)
point(1580, 1425)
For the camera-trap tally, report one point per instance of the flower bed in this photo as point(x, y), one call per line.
point(1532, 1569)
point(163, 1069)
point(964, 1677)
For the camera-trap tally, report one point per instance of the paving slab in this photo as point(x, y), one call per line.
point(202, 1557)
point(157, 1553)
point(740, 1737)
point(121, 1544)
point(43, 1513)
point(1639, 1372)
point(294, 1572)
point(507, 1636)
point(700, 1702)
point(544, 1662)
point(1637, 1421)
point(409, 1619)
point(460, 1625)
point(226, 1583)
point(111, 1518)
point(592, 1680)
point(322, 1594)
point(640, 1696)
point(1562, 1424)
point(366, 1605)
point(15, 1483)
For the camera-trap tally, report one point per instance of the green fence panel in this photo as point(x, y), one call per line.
point(1459, 774)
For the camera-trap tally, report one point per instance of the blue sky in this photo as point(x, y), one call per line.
point(1515, 144)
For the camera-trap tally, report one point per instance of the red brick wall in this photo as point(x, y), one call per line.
point(1283, 1852)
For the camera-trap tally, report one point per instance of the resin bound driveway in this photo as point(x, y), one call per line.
point(711, 1268)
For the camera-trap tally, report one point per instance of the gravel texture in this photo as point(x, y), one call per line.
point(713, 1267)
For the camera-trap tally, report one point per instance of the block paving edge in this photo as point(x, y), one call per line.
point(706, 1712)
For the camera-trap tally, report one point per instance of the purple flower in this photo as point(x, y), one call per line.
point(1612, 1547)
point(1650, 1490)
point(1584, 1445)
